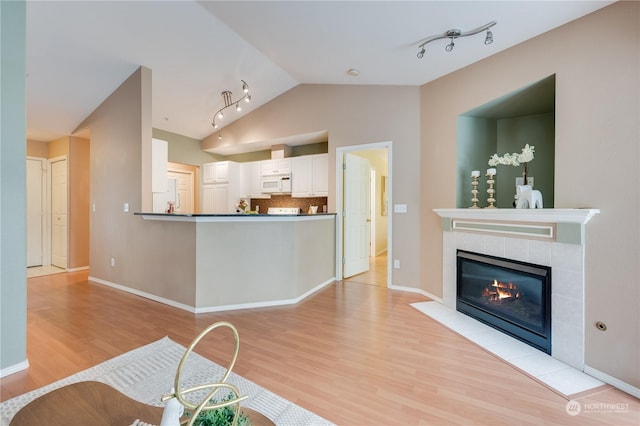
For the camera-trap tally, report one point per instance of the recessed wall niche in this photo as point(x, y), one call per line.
point(506, 125)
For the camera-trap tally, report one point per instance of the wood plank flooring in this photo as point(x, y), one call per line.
point(354, 354)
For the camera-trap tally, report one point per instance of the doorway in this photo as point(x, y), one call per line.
point(363, 182)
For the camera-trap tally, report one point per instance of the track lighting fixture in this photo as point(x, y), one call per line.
point(454, 34)
point(228, 101)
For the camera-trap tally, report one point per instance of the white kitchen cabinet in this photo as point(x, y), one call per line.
point(217, 199)
point(218, 172)
point(276, 166)
point(251, 178)
point(159, 165)
point(310, 176)
point(221, 189)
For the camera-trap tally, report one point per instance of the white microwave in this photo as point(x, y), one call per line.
point(280, 184)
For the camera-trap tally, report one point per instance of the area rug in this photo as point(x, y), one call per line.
point(147, 373)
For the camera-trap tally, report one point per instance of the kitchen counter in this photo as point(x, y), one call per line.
point(235, 217)
point(217, 262)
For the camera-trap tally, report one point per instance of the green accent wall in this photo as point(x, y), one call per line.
point(476, 141)
point(185, 150)
point(13, 176)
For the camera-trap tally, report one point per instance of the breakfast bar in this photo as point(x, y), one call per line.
point(215, 262)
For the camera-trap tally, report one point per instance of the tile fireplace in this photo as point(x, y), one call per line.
point(511, 296)
point(552, 238)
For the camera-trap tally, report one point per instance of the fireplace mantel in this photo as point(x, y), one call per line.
point(556, 225)
point(579, 216)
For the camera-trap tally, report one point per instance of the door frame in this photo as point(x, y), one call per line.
point(340, 151)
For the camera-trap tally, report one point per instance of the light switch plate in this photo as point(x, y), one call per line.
point(399, 208)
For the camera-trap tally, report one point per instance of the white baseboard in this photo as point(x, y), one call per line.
point(206, 309)
point(144, 294)
point(266, 304)
point(80, 268)
point(623, 386)
point(14, 368)
point(416, 290)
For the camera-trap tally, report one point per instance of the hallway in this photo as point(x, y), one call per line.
point(376, 275)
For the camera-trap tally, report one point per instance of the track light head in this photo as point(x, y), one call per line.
point(238, 107)
point(421, 53)
point(449, 47)
point(489, 38)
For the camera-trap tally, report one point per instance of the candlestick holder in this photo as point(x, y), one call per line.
point(491, 191)
point(474, 192)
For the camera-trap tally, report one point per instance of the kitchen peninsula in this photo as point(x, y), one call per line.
point(216, 262)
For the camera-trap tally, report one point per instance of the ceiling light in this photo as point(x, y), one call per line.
point(489, 38)
point(454, 34)
point(449, 47)
point(353, 72)
point(228, 101)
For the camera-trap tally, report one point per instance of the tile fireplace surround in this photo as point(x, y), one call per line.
point(549, 237)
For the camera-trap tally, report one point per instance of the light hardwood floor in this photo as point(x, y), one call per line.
point(376, 275)
point(354, 354)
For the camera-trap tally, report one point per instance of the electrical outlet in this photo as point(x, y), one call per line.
point(125, 207)
point(396, 264)
point(113, 262)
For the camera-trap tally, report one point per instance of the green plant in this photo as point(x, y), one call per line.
point(221, 416)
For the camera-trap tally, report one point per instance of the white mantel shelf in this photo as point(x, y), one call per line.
point(578, 216)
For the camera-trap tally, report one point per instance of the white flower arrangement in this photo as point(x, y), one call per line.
point(513, 159)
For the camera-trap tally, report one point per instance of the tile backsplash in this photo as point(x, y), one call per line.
point(288, 201)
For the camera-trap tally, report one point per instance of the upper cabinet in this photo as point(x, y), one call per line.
point(250, 180)
point(276, 166)
point(310, 176)
point(159, 165)
point(217, 172)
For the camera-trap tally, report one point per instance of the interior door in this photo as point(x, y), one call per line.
point(59, 213)
point(35, 211)
point(184, 183)
point(356, 215)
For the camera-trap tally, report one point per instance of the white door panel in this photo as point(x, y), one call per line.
point(356, 215)
point(35, 210)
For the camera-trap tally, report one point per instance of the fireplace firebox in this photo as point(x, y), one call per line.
point(511, 296)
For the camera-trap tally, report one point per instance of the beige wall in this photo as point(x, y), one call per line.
point(352, 115)
point(59, 147)
point(37, 149)
point(120, 131)
point(596, 60)
point(78, 238)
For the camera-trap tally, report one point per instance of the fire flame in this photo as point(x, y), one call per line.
point(499, 291)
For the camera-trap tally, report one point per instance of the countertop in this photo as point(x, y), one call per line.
point(231, 214)
point(235, 217)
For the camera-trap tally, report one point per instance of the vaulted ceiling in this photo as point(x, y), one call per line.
point(79, 52)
